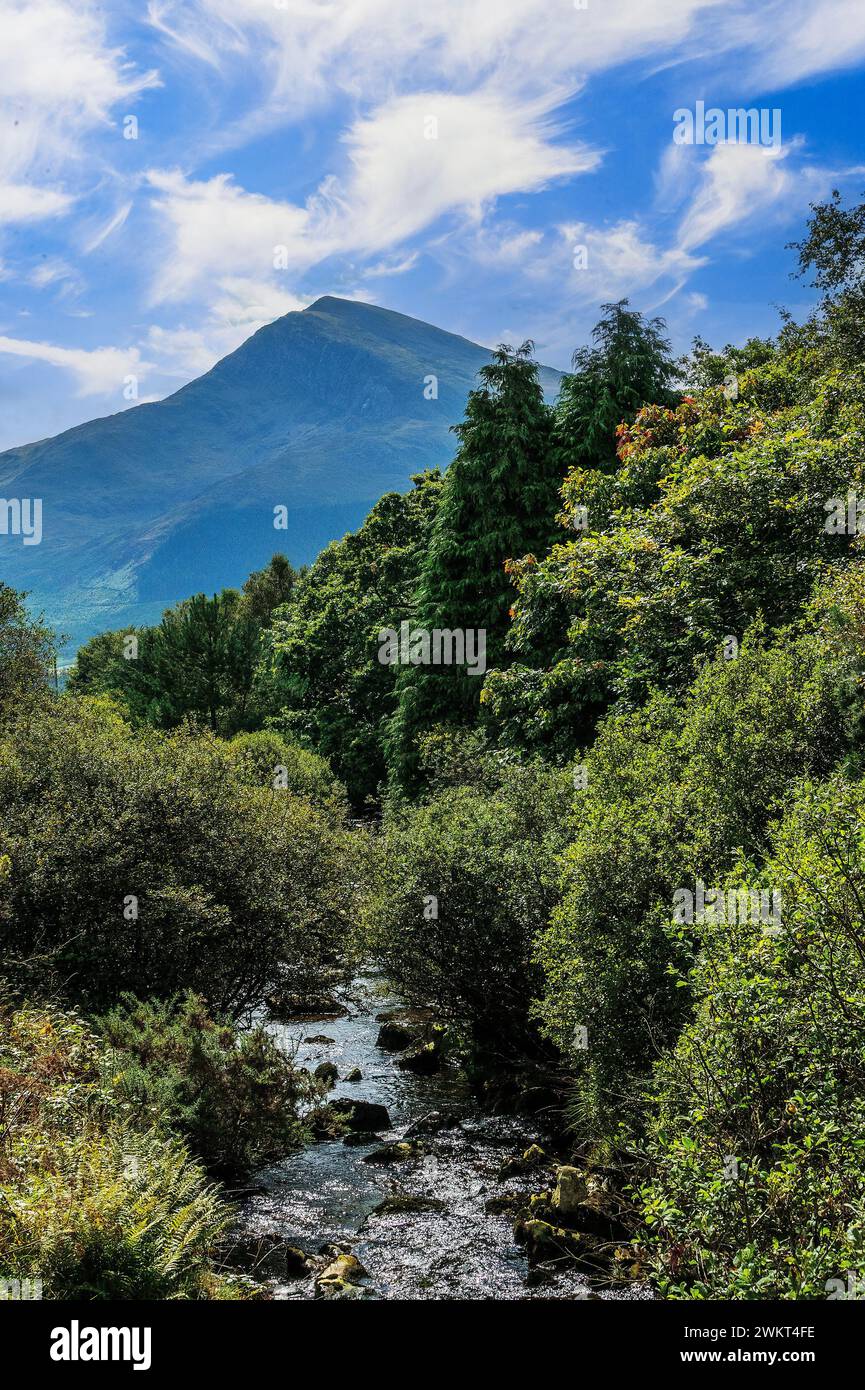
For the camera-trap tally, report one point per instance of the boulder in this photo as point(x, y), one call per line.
point(361, 1114)
point(432, 1123)
point(544, 1241)
point(570, 1193)
point(297, 1264)
point(397, 1152)
point(342, 1278)
point(424, 1060)
point(518, 1165)
point(326, 1072)
point(396, 1037)
point(320, 1038)
point(354, 1075)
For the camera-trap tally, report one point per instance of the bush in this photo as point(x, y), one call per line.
point(145, 863)
point(463, 883)
point(673, 794)
point(758, 1143)
point(91, 1204)
point(233, 1096)
point(266, 759)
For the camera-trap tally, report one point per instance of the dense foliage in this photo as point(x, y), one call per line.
point(463, 882)
point(233, 1096)
point(150, 864)
point(322, 679)
point(94, 1205)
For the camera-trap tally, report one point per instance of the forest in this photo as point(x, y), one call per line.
point(564, 853)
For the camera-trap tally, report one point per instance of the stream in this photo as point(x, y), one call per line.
point(326, 1194)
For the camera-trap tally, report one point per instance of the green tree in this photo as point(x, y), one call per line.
point(268, 589)
point(628, 367)
point(27, 650)
point(833, 252)
point(150, 863)
point(756, 1185)
point(498, 501)
point(320, 677)
point(674, 792)
point(199, 663)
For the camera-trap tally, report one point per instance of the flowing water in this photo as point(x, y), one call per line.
point(327, 1193)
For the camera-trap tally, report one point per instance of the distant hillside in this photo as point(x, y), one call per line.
point(321, 412)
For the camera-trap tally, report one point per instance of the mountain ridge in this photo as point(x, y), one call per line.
point(321, 411)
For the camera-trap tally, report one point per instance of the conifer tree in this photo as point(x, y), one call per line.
point(628, 367)
point(499, 501)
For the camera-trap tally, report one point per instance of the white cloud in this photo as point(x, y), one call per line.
point(22, 202)
point(312, 53)
point(621, 260)
point(98, 371)
point(114, 223)
point(59, 80)
point(736, 184)
point(217, 229)
point(799, 39)
point(397, 182)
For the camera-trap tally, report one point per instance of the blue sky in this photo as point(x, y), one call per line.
point(442, 159)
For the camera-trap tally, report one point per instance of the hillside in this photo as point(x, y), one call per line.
point(320, 411)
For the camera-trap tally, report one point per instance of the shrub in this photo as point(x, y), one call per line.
point(673, 794)
point(757, 1147)
point(145, 863)
point(463, 883)
point(233, 1096)
point(91, 1204)
point(266, 759)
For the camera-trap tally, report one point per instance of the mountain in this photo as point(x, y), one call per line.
point(320, 412)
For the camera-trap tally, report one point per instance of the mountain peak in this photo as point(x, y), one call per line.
point(318, 413)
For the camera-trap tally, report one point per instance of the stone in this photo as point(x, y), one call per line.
point(423, 1061)
point(296, 1262)
point(395, 1037)
point(361, 1114)
point(342, 1279)
point(520, 1164)
point(398, 1152)
point(432, 1123)
point(321, 1038)
point(544, 1241)
point(354, 1075)
point(570, 1193)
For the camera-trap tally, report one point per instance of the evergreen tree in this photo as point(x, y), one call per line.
point(629, 366)
point(498, 502)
